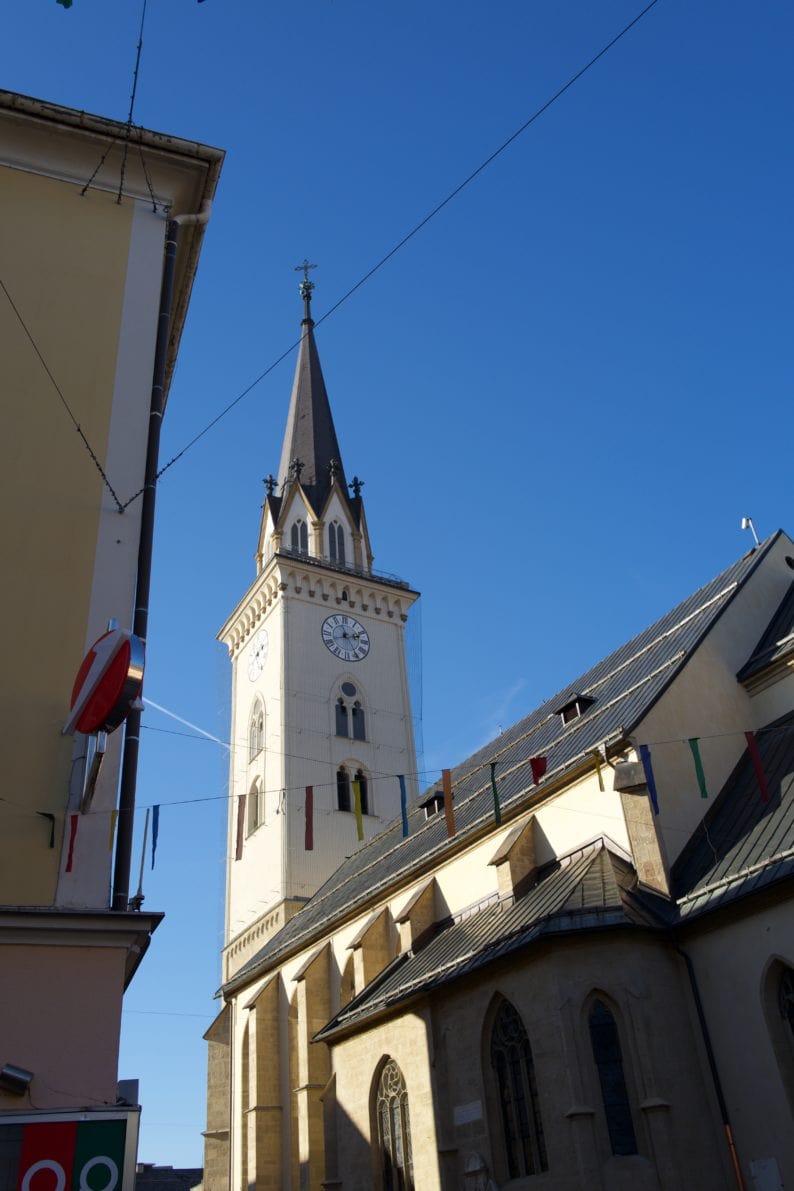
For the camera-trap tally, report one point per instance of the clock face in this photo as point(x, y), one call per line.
point(256, 658)
point(345, 637)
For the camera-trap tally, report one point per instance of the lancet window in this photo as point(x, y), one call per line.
point(336, 542)
point(394, 1130)
point(254, 807)
point(256, 732)
point(786, 1000)
point(519, 1107)
point(614, 1093)
point(299, 536)
point(343, 797)
point(359, 726)
point(349, 718)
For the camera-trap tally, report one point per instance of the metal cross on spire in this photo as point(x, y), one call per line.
point(306, 286)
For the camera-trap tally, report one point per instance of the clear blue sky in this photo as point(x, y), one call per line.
point(563, 394)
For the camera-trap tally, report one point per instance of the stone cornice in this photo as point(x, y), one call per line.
point(289, 574)
point(47, 927)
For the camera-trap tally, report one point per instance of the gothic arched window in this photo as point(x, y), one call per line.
point(336, 542)
point(341, 718)
point(359, 726)
point(299, 537)
point(342, 789)
point(779, 1008)
point(254, 799)
point(256, 732)
point(363, 787)
point(609, 1064)
point(786, 1000)
point(394, 1130)
point(519, 1109)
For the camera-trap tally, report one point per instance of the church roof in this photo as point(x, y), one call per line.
point(581, 891)
point(310, 436)
point(743, 843)
point(623, 687)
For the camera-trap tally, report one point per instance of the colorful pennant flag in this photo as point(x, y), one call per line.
point(449, 812)
point(155, 830)
point(597, 758)
point(403, 803)
point(497, 810)
point(695, 747)
point(308, 835)
point(357, 806)
point(72, 836)
point(650, 781)
point(538, 767)
point(238, 852)
point(755, 757)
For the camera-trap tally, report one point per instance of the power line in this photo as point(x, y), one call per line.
point(64, 402)
point(409, 236)
point(132, 104)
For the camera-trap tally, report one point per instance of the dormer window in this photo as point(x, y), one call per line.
point(299, 537)
point(336, 542)
point(434, 805)
point(574, 708)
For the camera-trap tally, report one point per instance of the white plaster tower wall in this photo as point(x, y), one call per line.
point(282, 665)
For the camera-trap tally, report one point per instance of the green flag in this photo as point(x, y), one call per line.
point(695, 747)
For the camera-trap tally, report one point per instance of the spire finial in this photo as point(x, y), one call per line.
point(305, 288)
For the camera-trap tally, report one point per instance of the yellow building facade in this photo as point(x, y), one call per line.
point(83, 218)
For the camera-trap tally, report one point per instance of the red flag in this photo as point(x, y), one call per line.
point(238, 853)
point(449, 812)
point(308, 839)
point(538, 766)
point(755, 757)
point(72, 837)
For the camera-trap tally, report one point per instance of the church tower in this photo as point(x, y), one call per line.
point(321, 715)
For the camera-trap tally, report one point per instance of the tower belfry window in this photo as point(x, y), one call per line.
point(341, 718)
point(256, 732)
point(342, 789)
point(299, 537)
point(336, 542)
point(359, 726)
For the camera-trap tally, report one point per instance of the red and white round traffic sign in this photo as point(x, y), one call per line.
point(107, 682)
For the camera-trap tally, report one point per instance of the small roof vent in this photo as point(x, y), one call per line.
point(433, 804)
point(574, 707)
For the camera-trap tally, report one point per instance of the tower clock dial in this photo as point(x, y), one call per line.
point(256, 660)
point(345, 637)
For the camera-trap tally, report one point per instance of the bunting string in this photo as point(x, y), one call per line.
point(538, 766)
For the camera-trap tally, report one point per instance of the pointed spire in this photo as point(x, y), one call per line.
point(310, 438)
